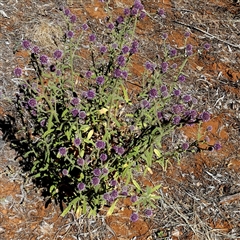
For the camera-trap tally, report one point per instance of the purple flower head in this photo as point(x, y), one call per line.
point(120, 20)
point(185, 146)
point(95, 181)
point(181, 78)
point(103, 49)
point(84, 27)
point(65, 172)
point(18, 72)
point(138, 5)
point(126, 11)
point(189, 47)
point(44, 59)
point(135, 44)
point(58, 73)
point(153, 93)
point(77, 141)
point(187, 98)
point(100, 144)
point(161, 13)
point(205, 116)
point(117, 73)
point(164, 67)
point(43, 123)
point(114, 194)
point(92, 38)
point(113, 183)
point(145, 104)
point(80, 161)
point(148, 212)
point(173, 52)
point(209, 128)
point(163, 89)
point(104, 171)
point(75, 101)
point(103, 157)
point(194, 100)
point(67, 12)
point(121, 60)
point(26, 44)
point(134, 11)
point(58, 54)
point(164, 36)
point(90, 94)
point(100, 80)
point(176, 92)
point(32, 102)
point(125, 191)
point(125, 49)
point(73, 18)
point(142, 15)
point(134, 217)
point(174, 66)
point(189, 53)
point(70, 34)
point(97, 172)
point(217, 146)
point(176, 109)
point(176, 120)
point(134, 198)
point(187, 34)
point(75, 112)
point(82, 114)
point(81, 186)
point(88, 74)
point(119, 150)
point(207, 46)
point(106, 196)
point(34, 113)
point(160, 115)
point(62, 151)
point(124, 74)
point(35, 50)
point(193, 114)
point(149, 66)
point(110, 26)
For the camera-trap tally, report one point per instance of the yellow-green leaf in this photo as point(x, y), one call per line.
point(90, 134)
point(157, 152)
point(136, 184)
point(111, 209)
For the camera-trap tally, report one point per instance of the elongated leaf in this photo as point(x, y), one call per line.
point(68, 208)
point(136, 185)
point(111, 209)
point(90, 134)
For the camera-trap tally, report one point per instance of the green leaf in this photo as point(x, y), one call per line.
point(126, 98)
point(85, 128)
point(68, 208)
point(111, 209)
point(48, 132)
point(90, 134)
point(157, 152)
point(136, 185)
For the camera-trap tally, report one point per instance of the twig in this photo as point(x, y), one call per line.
point(231, 198)
point(200, 30)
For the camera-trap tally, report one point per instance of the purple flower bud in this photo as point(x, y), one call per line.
point(134, 217)
point(160, 115)
point(62, 151)
point(117, 73)
point(113, 183)
point(95, 181)
point(103, 157)
point(32, 102)
point(106, 196)
point(164, 36)
point(205, 116)
point(134, 198)
point(75, 112)
point(103, 49)
point(82, 114)
point(125, 49)
point(44, 59)
point(138, 5)
point(176, 92)
point(121, 60)
point(124, 74)
point(149, 66)
point(163, 89)
point(142, 15)
point(80, 161)
point(217, 146)
point(185, 146)
point(189, 47)
point(26, 44)
point(65, 172)
point(104, 171)
point(88, 74)
point(100, 144)
point(75, 101)
point(134, 11)
point(187, 98)
point(145, 104)
point(173, 52)
point(176, 120)
point(58, 73)
point(90, 94)
point(77, 142)
point(161, 13)
point(70, 34)
point(92, 38)
point(148, 212)
point(164, 67)
point(81, 186)
point(67, 12)
point(207, 46)
point(97, 172)
point(176, 109)
point(189, 53)
point(120, 20)
point(174, 66)
point(114, 194)
point(153, 93)
point(126, 11)
point(18, 72)
point(110, 26)
point(209, 128)
point(35, 50)
point(187, 34)
point(43, 123)
point(181, 78)
point(84, 27)
point(100, 80)
point(57, 54)
point(73, 18)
